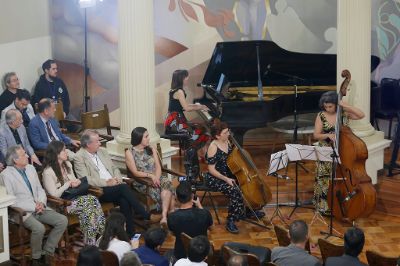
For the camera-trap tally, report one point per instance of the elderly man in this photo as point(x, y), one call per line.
point(295, 254)
point(22, 104)
point(21, 180)
point(11, 82)
point(94, 162)
point(13, 133)
point(44, 128)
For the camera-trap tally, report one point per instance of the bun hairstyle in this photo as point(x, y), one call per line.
point(217, 127)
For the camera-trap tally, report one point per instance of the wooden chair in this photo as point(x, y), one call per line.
point(227, 253)
point(211, 259)
point(329, 249)
point(282, 235)
point(376, 259)
point(109, 258)
point(145, 198)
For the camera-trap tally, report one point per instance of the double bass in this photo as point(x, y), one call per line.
point(353, 193)
point(254, 190)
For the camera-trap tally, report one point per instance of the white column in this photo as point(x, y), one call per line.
point(136, 74)
point(5, 201)
point(354, 54)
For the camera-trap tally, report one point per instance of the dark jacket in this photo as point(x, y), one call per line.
point(53, 90)
point(344, 260)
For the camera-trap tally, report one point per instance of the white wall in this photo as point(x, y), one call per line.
point(25, 41)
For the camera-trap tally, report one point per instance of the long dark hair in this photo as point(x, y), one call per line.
point(89, 256)
point(115, 227)
point(137, 137)
point(177, 78)
point(51, 159)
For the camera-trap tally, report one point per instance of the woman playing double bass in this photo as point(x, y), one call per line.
point(220, 178)
point(324, 132)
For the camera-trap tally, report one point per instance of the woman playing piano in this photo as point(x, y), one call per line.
point(220, 178)
point(324, 132)
point(176, 120)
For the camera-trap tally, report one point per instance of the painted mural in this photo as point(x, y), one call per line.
point(186, 32)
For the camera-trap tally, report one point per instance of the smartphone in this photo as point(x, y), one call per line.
point(136, 237)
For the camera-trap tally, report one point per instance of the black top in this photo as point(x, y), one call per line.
point(344, 260)
point(193, 221)
point(6, 98)
point(174, 104)
point(53, 90)
point(219, 159)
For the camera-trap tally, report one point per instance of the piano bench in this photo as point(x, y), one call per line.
point(181, 138)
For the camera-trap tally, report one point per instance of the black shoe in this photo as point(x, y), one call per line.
point(231, 227)
point(250, 214)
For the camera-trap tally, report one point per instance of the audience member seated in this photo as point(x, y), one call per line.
point(21, 180)
point(237, 260)
point(193, 221)
point(13, 133)
point(22, 104)
point(149, 254)
point(44, 128)
point(50, 86)
point(295, 254)
point(115, 238)
point(58, 178)
point(11, 83)
point(2, 162)
point(130, 259)
point(89, 256)
point(94, 162)
point(143, 161)
point(199, 249)
point(354, 240)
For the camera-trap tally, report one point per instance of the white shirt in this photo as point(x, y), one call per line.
point(51, 127)
point(187, 262)
point(119, 247)
point(103, 172)
point(29, 111)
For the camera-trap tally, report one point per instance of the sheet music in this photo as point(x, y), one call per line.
point(298, 152)
point(278, 161)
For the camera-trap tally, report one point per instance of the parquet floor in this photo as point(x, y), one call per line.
point(381, 229)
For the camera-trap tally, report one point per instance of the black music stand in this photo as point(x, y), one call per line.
point(393, 167)
point(278, 161)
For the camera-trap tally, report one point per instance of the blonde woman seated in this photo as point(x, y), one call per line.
point(142, 160)
point(58, 176)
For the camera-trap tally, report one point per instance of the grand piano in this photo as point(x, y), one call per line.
point(249, 84)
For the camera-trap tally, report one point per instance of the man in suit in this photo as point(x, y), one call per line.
point(21, 180)
point(44, 128)
point(295, 254)
point(94, 162)
point(22, 104)
point(13, 133)
point(354, 240)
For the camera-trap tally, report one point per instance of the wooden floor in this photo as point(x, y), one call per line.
point(382, 229)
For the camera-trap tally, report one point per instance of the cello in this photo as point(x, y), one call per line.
point(254, 190)
point(353, 193)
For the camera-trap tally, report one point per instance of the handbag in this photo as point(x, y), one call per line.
point(74, 192)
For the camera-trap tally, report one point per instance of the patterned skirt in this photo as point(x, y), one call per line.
point(321, 187)
point(177, 122)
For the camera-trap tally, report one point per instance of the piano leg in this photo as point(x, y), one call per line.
point(239, 135)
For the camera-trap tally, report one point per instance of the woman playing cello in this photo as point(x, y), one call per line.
point(324, 132)
point(220, 178)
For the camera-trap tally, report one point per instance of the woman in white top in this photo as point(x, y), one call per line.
point(115, 238)
point(58, 176)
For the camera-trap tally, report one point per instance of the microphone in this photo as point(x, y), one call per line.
point(268, 69)
point(280, 176)
point(349, 196)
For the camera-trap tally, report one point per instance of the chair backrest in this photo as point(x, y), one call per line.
point(228, 252)
point(390, 93)
point(97, 119)
point(376, 259)
point(59, 114)
point(329, 249)
point(282, 234)
point(186, 241)
point(109, 258)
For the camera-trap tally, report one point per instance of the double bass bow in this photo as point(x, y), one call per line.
point(254, 190)
point(353, 193)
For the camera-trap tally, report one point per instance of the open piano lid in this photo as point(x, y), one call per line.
point(238, 62)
